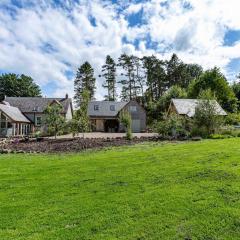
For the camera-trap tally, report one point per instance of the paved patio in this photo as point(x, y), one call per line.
point(107, 135)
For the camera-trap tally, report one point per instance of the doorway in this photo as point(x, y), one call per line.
point(111, 125)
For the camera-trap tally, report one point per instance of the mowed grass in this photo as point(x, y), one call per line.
point(148, 191)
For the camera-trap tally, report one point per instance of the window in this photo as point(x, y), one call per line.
point(112, 108)
point(38, 121)
point(36, 109)
point(96, 107)
point(133, 108)
point(3, 117)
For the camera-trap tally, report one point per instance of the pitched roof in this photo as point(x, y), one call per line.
point(13, 113)
point(36, 104)
point(104, 108)
point(188, 106)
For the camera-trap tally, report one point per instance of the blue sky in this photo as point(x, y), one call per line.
point(49, 39)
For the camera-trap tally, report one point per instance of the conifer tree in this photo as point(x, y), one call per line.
point(84, 81)
point(155, 77)
point(128, 81)
point(109, 73)
point(139, 78)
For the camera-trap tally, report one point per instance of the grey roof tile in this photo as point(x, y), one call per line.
point(188, 106)
point(104, 108)
point(36, 104)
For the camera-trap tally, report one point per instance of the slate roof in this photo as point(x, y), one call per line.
point(36, 104)
point(188, 106)
point(104, 108)
point(13, 113)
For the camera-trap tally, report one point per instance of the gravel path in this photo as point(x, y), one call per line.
point(107, 135)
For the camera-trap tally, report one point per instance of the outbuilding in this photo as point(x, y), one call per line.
point(187, 107)
point(104, 116)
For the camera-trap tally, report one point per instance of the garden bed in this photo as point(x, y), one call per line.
point(68, 145)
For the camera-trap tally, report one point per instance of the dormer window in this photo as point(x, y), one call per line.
point(35, 109)
point(96, 107)
point(112, 107)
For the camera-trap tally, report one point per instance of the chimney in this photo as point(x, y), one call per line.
point(66, 96)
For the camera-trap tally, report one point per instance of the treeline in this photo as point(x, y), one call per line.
point(144, 79)
point(14, 85)
point(153, 82)
point(148, 80)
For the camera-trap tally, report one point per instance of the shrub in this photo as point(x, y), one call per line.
point(233, 119)
point(219, 136)
point(199, 132)
point(173, 126)
point(54, 120)
point(206, 118)
point(226, 130)
point(126, 120)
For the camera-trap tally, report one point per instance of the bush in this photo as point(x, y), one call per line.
point(206, 118)
point(233, 119)
point(219, 136)
point(199, 132)
point(126, 120)
point(173, 126)
point(229, 131)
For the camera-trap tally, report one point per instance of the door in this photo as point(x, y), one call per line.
point(136, 125)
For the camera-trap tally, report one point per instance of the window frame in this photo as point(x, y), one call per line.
point(96, 107)
point(112, 108)
point(37, 121)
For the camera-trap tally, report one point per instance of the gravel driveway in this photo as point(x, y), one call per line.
point(108, 135)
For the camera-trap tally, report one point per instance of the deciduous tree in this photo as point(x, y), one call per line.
point(14, 85)
point(81, 115)
point(215, 81)
point(54, 119)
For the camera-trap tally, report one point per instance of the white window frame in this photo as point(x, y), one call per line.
point(133, 108)
point(37, 123)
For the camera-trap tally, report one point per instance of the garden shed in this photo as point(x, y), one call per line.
point(187, 107)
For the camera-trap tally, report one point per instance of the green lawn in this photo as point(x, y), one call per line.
point(147, 191)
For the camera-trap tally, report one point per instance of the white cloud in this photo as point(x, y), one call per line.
point(133, 8)
point(46, 41)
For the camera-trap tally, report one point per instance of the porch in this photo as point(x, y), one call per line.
point(13, 124)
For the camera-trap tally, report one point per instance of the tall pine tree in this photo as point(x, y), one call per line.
point(84, 81)
point(139, 78)
point(109, 73)
point(128, 82)
point(181, 74)
point(174, 69)
point(155, 77)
